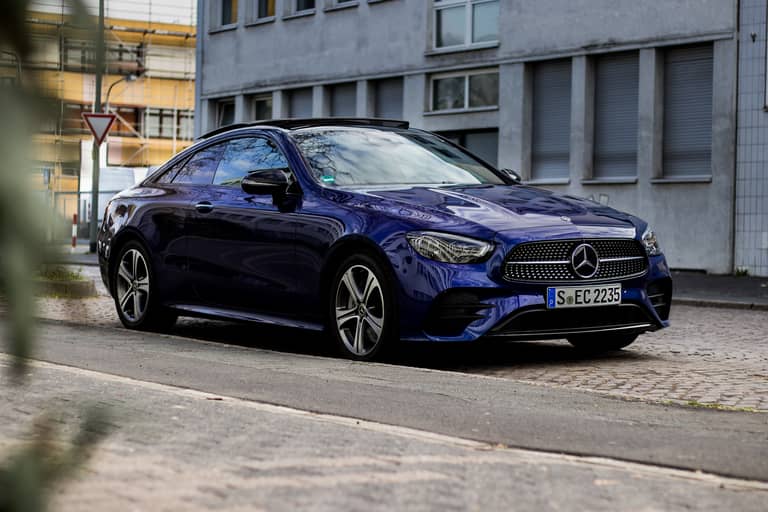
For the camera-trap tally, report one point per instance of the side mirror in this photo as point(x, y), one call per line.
point(513, 175)
point(266, 182)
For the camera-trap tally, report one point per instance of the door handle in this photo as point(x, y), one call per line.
point(204, 207)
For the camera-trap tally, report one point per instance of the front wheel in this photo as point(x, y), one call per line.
point(602, 342)
point(362, 314)
point(134, 291)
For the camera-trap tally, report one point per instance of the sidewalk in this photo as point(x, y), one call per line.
point(690, 288)
point(698, 289)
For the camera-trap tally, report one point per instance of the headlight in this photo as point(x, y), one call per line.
point(449, 248)
point(651, 243)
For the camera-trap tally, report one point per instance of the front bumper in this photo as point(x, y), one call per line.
point(443, 302)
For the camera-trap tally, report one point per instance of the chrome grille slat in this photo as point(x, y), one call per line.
point(549, 261)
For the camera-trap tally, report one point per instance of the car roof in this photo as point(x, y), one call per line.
point(295, 124)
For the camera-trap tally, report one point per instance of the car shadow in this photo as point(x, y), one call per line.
point(463, 357)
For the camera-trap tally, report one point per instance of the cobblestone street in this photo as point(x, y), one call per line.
point(710, 356)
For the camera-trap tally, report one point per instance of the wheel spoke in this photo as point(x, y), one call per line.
point(124, 274)
point(349, 283)
point(375, 324)
point(136, 305)
point(135, 255)
point(143, 285)
point(344, 315)
point(370, 285)
point(124, 300)
point(358, 347)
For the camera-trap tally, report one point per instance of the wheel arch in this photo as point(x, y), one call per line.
point(348, 246)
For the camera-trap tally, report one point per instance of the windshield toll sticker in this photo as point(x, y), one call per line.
point(328, 179)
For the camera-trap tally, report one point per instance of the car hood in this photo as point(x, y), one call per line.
point(518, 211)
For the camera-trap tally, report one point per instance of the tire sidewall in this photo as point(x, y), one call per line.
point(390, 331)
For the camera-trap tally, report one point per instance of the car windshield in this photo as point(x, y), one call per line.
point(340, 156)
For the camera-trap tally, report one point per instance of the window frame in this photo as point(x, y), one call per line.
point(469, 15)
point(216, 16)
point(188, 158)
point(219, 110)
point(296, 12)
point(262, 97)
point(252, 13)
point(465, 75)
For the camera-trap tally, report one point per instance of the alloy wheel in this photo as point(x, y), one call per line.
point(132, 285)
point(359, 310)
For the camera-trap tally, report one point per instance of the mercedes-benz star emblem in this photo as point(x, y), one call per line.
point(584, 261)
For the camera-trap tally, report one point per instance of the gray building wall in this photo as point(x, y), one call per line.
point(752, 142)
point(393, 38)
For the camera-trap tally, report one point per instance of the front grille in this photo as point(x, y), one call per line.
point(550, 261)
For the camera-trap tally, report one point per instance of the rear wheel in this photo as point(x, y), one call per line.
point(134, 291)
point(603, 342)
point(362, 315)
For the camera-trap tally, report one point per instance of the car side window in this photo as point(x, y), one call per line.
point(201, 167)
point(246, 155)
point(167, 176)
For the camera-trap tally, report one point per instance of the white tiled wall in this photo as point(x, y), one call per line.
point(752, 143)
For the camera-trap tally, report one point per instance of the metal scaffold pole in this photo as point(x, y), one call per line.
point(97, 108)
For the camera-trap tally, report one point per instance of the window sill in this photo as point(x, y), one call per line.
point(550, 181)
point(459, 49)
point(460, 111)
point(302, 14)
point(260, 21)
point(376, 1)
point(682, 179)
point(341, 7)
point(223, 28)
point(610, 181)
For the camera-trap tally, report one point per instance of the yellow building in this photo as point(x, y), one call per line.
point(154, 112)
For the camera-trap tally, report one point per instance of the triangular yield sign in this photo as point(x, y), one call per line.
point(99, 124)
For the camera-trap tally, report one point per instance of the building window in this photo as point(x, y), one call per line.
point(228, 12)
point(165, 123)
point(343, 100)
point(262, 10)
point(688, 111)
point(616, 115)
point(262, 107)
point(300, 103)
point(388, 101)
point(465, 22)
point(225, 112)
point(483, 143)
point(551, 120)
point(303, 5)
point(453, 92)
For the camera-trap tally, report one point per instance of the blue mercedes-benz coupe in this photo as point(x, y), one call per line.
point(376, 232)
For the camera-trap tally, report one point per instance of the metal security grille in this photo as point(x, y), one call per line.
point(688, 111)
point(300, 103)
point(389, 98)
point(551, 144)
point(343, 100)
point(616, 115)
point(550, 261)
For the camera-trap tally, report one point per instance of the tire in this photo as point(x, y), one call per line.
point(361, 296)
point(133, 281)
point(604, 342)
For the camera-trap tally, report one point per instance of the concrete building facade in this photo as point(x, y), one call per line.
point(634, 103)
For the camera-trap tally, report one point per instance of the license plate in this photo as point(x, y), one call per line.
point(583, 296)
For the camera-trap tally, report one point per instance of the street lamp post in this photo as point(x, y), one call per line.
point(127, 78)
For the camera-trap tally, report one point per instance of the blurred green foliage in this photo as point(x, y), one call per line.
point(28, 475)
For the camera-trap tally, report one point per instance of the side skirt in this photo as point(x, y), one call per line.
point(243, 316)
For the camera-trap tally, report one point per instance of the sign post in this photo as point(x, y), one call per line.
point(94, 217)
